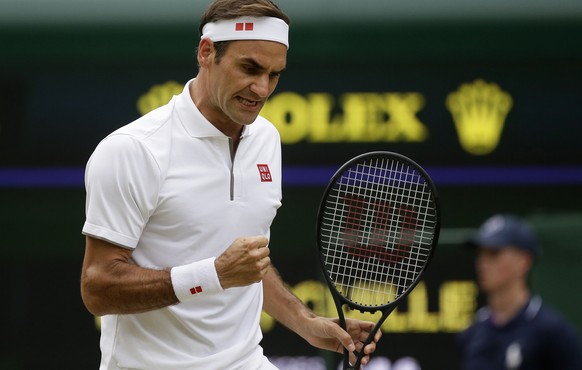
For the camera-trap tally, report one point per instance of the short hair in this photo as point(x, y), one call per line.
point(230, 9)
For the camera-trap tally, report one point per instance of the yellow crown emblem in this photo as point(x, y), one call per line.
point(479, 110)
point(157, 96)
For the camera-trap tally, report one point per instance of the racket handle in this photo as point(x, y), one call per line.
point(348, 366)
point(368, 341)
point(346, 360)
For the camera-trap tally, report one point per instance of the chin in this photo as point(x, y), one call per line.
point(245, 121)
point(483, 284)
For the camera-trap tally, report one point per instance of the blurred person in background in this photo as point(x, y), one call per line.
point(178, 214)
point(515, 330)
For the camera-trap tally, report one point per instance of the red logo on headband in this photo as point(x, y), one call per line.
point(244, 26)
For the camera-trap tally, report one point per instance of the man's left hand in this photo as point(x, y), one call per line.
point(327, 334)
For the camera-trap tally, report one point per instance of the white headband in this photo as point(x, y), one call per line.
point(248, 28)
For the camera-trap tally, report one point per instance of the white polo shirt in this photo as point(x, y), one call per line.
point(167, 187)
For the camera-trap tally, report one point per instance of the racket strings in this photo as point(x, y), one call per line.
point(377, 229)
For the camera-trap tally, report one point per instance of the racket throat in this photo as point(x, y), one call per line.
point(359, 355)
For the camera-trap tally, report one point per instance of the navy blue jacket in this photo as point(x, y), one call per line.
point(537, 338)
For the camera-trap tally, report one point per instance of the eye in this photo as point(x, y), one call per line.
point(250, 69)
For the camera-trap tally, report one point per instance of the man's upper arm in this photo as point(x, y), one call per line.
point(99, 252)
point(99, 265)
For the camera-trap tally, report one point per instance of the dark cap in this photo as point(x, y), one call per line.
point(503, 231)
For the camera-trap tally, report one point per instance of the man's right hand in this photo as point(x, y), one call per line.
point(245, 262)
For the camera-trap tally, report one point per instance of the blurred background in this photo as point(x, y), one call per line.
point(487, 96)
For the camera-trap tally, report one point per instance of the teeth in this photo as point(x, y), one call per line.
point(247, 102)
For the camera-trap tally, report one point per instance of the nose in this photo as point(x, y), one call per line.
point(261, 86)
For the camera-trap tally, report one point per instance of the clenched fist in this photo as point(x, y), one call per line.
point(244, 262)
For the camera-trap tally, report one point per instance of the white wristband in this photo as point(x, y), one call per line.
point(195, 279)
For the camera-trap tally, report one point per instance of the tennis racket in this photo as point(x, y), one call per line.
point(377, 230)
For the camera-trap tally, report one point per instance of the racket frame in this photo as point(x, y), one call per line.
point(339, 299)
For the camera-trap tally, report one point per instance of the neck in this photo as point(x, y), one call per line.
point(221, 122)
point(506, 303)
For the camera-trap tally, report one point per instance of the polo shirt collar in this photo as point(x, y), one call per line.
point(528, 312)
point(194, 122)
point(533, 307)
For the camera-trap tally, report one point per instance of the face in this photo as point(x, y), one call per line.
point(498, 269)
point(238, 86)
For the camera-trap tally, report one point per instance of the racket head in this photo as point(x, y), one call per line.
point(377, 229)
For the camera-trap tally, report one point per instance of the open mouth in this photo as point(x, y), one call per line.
point(248, 103)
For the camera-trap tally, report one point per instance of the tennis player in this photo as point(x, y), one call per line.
point(515, 330)
point(178, 211)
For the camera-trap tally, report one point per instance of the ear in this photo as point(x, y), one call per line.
point(526, 261)
point(530, 260)
point(205, 52)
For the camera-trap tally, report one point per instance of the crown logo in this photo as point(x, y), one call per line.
point(157, 96)
point(479, 110)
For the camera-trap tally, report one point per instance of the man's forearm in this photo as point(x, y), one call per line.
point(111, 284)
point(283, 305)
point(127, 289)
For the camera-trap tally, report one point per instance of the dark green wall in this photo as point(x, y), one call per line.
point(62, 88)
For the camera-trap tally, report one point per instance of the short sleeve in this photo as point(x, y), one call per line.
point(122, 181)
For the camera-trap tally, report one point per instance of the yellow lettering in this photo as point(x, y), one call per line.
point(457, 305)
point(397, 322)
point(325, 128)
point(316, 295)
point(458, 302)
point(290, 114)
point(403, 124)
point(313, 293)
point(419, 319)
point(361, 117)
point(356, 116)
point(157, 96)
